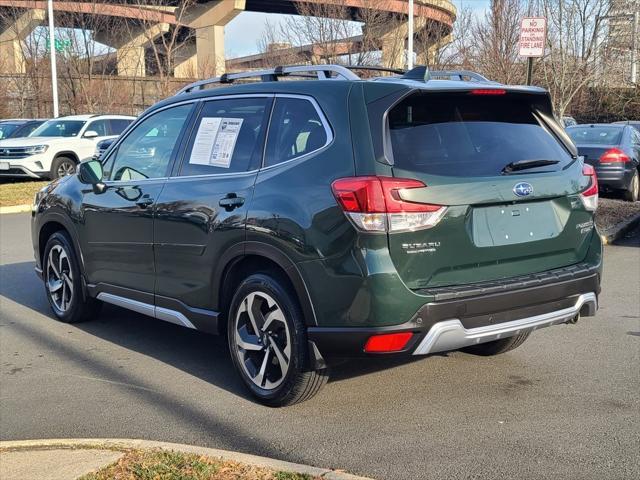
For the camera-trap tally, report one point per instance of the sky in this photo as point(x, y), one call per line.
point(244, 32)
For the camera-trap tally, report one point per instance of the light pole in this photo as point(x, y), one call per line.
point(52, 53)
point(410, 45)
point(635, 32)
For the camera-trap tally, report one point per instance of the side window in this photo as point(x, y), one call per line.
point(118, 125)
point(296, 129)
point(146, 151)
point(227, 137)
point(99, 126)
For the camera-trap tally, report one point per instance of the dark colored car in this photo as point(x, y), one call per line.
point(18, 128)
point(634, 123)
point(311, 221)
point(614, 152)
point(102, 147)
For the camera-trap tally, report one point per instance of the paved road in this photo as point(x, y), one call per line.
point(565, 405)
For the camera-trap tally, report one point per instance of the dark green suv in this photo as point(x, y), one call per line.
point(315, 220)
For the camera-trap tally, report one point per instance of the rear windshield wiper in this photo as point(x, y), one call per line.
point(526, 164)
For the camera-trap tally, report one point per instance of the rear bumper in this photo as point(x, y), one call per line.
point(614, 177)
point(476, 315)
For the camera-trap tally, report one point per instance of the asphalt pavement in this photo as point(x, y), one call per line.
point(564, 405)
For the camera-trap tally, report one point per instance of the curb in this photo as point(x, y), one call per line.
point(15, 209)
point(115, 443)
point(612, 234)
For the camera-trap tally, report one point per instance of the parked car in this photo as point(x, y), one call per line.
point(102, 147)
point(316, 220)
point(634, 123)
point(55, 148)
point(568, 121)
point(614, 152)
point(18, 128)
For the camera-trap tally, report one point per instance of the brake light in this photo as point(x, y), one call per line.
point(388, 342)
point(589, 196)
point(488, 91)
point(375, 204)
point(614, 155)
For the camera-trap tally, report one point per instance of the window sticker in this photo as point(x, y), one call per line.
point(215, 141)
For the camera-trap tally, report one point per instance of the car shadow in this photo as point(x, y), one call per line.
point(196, 353)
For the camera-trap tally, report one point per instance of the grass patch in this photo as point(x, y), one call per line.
point(612, 211)
point(19, 192)
point(169, 465)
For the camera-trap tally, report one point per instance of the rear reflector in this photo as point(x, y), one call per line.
point(589, 196)
point(614, 155)
point(388, 342)
point(488, 91)
point(374, 204)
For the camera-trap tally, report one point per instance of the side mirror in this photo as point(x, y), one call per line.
point(90, 172)
point(90, 134)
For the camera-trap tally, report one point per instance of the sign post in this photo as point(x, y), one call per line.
point(533, 33)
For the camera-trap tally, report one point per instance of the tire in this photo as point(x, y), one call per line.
point(632, 193)
point(63, 283)
point(497, 346)
point(261, 359)
point(62, 166)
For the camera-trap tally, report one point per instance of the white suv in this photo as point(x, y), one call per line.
point(55, 148)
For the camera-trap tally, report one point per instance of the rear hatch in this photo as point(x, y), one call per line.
point(501, 168)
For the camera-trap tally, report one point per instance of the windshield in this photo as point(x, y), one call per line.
point(595, 135)
point(471, 135)
point(58, 128)
point(6, 129)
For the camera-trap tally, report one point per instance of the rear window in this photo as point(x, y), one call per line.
point(465, 135)
point(595, 135)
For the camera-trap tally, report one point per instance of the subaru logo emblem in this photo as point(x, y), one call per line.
point(523, 189)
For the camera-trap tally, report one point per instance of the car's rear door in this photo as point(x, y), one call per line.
point(507, 185)
point(202, 210)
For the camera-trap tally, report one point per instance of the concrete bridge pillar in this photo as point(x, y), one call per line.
point(130, 47)
point(208, 21)
point(426, 54)
point(12, 59)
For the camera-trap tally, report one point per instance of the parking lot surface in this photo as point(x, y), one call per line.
point(564, 405)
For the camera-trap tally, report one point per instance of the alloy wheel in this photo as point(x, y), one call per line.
point(262, 340)
point(66, 168)
point(59, 278)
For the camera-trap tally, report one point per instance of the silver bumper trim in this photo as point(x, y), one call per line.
point(451, 334)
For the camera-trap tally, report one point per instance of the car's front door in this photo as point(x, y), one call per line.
point(202, 210)
point(117, 238)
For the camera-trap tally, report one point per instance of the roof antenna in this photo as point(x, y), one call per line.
point(427, 73)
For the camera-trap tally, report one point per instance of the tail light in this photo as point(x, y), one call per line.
point(589, 196)
point(488, 91)
point(387, 342)
point(614, 155)
point(374, 204)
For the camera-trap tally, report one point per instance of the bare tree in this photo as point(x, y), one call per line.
point(574, 40)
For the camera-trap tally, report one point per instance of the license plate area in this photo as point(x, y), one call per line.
point(515, 223)
point(4, 165)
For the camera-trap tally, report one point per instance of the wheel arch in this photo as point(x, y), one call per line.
point(242, 259)
point(67, 153)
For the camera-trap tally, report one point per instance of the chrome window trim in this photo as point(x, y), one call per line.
point(323, 119)
point(316, 106)
point(114, 146)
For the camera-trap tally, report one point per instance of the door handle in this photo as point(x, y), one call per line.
point(144, 201)
point(231, 201)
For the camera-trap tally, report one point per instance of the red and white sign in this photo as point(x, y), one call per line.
point(533, 32)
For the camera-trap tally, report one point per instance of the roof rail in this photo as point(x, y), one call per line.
point(374, 68)
point(423, 73)
point(322, 72)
